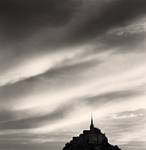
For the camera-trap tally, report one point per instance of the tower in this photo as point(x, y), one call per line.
point(92, 139)
point(91, 125)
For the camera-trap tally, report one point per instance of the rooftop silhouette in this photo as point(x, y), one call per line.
point(92, 139)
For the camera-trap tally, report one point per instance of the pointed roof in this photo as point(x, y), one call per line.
point(92, 124)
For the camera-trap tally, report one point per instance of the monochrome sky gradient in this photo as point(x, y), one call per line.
point(60, 60)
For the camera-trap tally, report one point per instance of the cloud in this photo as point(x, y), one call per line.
point(34, 121)
point(76, 20)
point(125, 127)
point(35, 29)
point(22, 15)
point(107, 15)
point(124, 42)
point(62, 111)
point(23, 146)
point(136, 145)
point(60, 60)
point(129, 114)
point(46, 81)
point(103, 98)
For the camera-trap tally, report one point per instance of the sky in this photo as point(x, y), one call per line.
point(61, 60)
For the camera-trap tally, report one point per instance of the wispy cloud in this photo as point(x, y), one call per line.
point(60, 60)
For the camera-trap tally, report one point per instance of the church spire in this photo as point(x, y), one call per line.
point(91, 125)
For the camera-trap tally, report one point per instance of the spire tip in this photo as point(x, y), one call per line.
point(92, 124)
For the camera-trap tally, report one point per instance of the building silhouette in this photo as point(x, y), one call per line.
point(92, 139)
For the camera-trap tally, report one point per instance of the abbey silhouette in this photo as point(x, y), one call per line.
point(91, 139)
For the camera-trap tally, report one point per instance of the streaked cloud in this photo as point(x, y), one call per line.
point(62, 60)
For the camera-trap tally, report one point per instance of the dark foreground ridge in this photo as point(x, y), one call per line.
point(92, 139)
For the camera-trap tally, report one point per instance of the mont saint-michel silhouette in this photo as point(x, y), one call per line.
point(92, 139)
